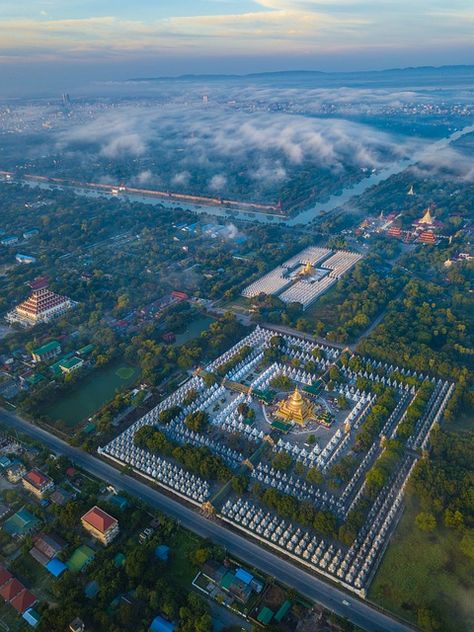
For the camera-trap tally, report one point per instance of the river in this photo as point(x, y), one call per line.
point(304, 217)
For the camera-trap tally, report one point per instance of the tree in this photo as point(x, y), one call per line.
point(168, 414)
point(453, 519)
point(467, 544)
point(197, 420)
point(282, 461)
point(343, 402)
point(427, 620)
point(425, 521)
point(314, 476)
point(239, 484)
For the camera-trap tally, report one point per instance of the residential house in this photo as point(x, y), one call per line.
point(37, 483)
point(101, 525)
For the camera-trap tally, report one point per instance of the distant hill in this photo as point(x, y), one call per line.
point(307, 74)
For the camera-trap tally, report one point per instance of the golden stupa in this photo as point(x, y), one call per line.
point(308, 268)
point(427, 217)
point(295, 408)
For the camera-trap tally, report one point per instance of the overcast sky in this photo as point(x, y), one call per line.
point(46, 44)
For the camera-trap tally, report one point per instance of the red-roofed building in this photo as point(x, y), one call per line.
point(37, 483)
point(4, 575)
point(180, 296)
point(11, 589)
point(101, 525)
point(395, 231)
point(23, 601)
point(427, 237)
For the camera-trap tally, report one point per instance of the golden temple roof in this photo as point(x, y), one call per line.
point(427, 217)
point(295, 408)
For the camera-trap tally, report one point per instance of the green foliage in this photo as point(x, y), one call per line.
point(197, 420)
point(425, 521)
point(240, 484)
point(384, 466)
point(282, 382)
point(168, 414)
point(195, 459)
point(303, 512)
point(375, 420)
point(282, 461)
point(415, 410)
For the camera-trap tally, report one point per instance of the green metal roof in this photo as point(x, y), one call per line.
point(282, 611)
point(81, 556)
point(52, 345)
point(35, 378)
point(265, 615)
point(85, 350)
point(228, 580)
point(70, 363)
point(281, 425)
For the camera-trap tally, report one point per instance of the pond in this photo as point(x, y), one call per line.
point(193, 330)
point(91, 393)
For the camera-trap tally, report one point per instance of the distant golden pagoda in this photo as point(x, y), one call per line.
point(427, 217)
point(308, 268)
point(295, 408)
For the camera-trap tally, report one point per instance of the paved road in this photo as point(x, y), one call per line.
point(282, 329)
point(358, 611)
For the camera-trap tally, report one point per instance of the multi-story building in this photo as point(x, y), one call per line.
point(37, 483)
point(46, 352)
point(101, 525)
point(71, 364)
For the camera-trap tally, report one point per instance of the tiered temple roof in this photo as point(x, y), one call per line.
point(296, 408)
point(41, 306)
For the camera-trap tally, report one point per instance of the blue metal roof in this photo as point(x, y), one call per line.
point(162, 552)
point(31, 617)
point(161, 625)
point(243, 575)
point(56, 567)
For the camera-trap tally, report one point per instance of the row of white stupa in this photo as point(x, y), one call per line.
point(255, 340)
point(161, 470)
point(279, 278)
point(245, 366)
point(433, 412)
point(307, 290)
point(352, 567)
point(293, 486)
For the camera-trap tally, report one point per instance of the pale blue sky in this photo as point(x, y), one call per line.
point(120, 38)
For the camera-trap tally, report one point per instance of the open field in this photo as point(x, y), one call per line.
point(89, 394)
point(427, 568)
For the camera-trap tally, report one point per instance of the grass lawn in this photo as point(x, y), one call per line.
point(426, 570)
point(125, 372)
point(11, 620)
point(35, 577)
point(182, 543)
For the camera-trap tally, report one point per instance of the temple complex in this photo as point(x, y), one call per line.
point(295, 408)
point(41, 306)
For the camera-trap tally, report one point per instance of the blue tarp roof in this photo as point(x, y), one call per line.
point(162, 625)
point(162, 552)
point(243, 575)
point(56, 567)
